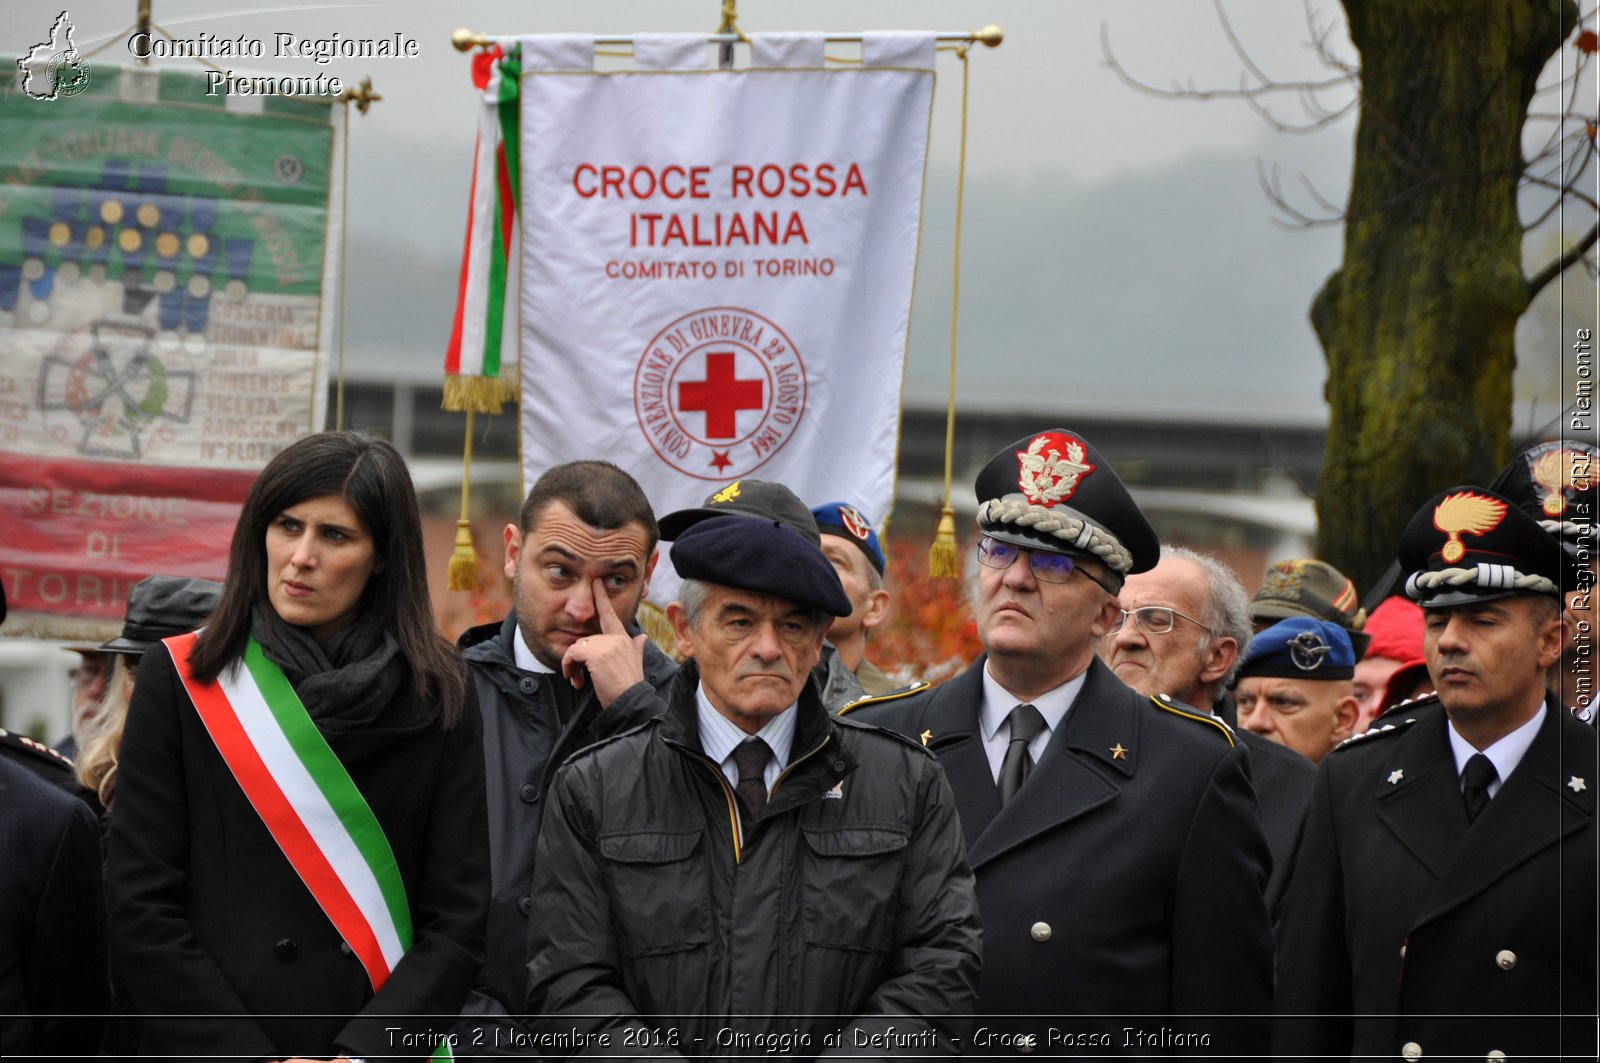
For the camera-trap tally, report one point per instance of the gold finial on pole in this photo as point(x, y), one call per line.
point(464, 40)
point(363, 97)
point(142, 27)
point(989, 36)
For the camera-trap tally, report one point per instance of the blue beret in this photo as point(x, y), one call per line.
point(1301, 648)
point(765, 556)
point(846, 521)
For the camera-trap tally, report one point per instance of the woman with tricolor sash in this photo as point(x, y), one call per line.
point(298, 857)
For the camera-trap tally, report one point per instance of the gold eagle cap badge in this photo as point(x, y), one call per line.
point(1558, 470)
point(1049, 470)
point(727, 494)
point(1465, 513)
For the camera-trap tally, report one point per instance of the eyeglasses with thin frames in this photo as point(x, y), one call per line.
point(1155, 620)
point(1047, 567)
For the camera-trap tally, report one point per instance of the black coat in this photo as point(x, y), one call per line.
point(1458, 940)
point(1112, 886)
point(210, 920)
point(1283, 781)
point(54, 988)
point(530, 728)
point(661, 907)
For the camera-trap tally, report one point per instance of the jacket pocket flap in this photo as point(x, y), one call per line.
point(650, 847)
point(855, 841)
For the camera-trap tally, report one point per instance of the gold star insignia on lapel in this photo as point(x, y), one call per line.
point(1118, 753)
point(1396, 775)
point(925, 735)
point(1576, 784)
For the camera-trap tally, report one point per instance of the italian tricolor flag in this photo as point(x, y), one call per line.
point(483, 335)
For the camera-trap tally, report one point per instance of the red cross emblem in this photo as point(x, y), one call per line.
point(719, 391)
point(720, 396)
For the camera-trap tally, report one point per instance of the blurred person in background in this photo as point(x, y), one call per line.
point(158, 607)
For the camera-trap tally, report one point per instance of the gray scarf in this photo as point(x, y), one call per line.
point(346, 681)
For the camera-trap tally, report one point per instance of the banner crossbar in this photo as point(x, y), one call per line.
point(990, 35)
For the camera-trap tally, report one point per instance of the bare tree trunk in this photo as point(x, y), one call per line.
point(1417, 323)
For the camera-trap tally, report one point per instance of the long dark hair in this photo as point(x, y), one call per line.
point(372, 479)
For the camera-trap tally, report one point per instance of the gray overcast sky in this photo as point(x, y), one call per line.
point(1117, 249)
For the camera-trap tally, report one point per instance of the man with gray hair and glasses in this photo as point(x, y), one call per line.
point(1184, 628)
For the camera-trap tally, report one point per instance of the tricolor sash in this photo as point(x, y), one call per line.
point(307, 800)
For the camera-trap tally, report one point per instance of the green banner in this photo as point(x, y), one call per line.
point(166, 269)
point(163, 261)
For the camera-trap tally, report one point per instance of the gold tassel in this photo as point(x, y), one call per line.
point(942, 562)
point(654, 623)
point(463, 572)
point(942, 555)
point(462, 575)
point(481, 394)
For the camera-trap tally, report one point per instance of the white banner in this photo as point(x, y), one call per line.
point(717, 274)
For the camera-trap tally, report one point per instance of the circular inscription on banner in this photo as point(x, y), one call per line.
point(718, 392)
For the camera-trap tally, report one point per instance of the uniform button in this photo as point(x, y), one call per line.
point(1411, 1051)
point(1505, 959)
point(529, 792)
point(346, 951)
point(1495, 1056)
point(1040, 931)
point(838, 765)
point(527, 684)
point(525, 904)
point(1402, 952)
point(1025, 1045)
point(286, 950)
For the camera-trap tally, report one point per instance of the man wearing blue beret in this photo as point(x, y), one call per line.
point(747, 873)
point(851, 543)
point(1297, 686)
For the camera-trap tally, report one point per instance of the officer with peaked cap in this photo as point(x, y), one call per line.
point(1558, 485)
point(1443, 904)
point(1116, 839)
point(747, 861)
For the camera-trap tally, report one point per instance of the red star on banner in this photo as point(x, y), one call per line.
point(720, 459)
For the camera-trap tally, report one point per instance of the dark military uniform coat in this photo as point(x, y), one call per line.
point(1443, 939)
point(1115, 884)
point(53, 983)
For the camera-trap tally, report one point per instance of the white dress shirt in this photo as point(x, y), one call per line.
point(994, 723)
point(719, 738)
point(1505, 754)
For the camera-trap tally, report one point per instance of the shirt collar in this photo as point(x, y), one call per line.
point(1052, 704)
point(524, 656)
point(719, 736)
point(1505, 753)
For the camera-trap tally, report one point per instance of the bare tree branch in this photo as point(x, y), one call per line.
point(1238, 48)
point(1575, 253)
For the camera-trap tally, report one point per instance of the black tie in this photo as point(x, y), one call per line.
point(1026, 723)
point(751, 756)
point(1475, 780)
